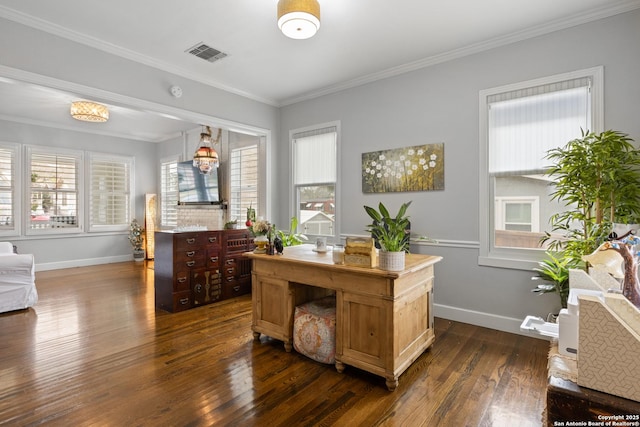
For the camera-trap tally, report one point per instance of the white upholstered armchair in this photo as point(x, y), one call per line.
point(17, 279)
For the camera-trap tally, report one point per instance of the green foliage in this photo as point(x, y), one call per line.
point(554, 272)
point(136, 237)
point(390, 232)
point(292, 238)
point(597, 177)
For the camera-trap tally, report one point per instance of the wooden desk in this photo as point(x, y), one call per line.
point(384, 320)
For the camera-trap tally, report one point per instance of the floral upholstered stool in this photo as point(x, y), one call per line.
point(314, 329)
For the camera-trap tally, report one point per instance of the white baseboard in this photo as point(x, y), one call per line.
point(486, 320)
point(82, 262)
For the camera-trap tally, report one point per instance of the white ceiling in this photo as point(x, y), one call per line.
point(359, 40)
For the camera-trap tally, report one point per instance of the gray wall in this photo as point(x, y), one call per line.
point(36, 56)
point(440, 104)
point(89, 248)
point(434, 104)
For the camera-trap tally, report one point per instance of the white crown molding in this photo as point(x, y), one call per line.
point(55, 29)
point(588, 16)
point(549, 27)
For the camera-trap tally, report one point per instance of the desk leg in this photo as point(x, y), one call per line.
point(288, 346)
point(340, 367)
point(256, 336)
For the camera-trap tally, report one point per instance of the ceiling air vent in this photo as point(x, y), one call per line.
point(205, 52)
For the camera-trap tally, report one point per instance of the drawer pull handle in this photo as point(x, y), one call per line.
point(184, 301)
point(191, 240)
point(198, 288)
point(229, 261)
point(191, 253)
point(214, 259)
point(182, 279)
point(230, 270)
point(236, 288)
point(191, 263)
point(213, 239)
point(230, 279)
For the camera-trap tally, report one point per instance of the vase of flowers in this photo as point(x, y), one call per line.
point(260, 229)
point(136, 238)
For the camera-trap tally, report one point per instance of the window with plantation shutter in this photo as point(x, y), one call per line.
point(54, 191)
point(169, 193)
point(109, 192)
point(243, 166)
point(8, 183)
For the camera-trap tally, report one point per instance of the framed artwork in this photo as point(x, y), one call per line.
point(418, 168)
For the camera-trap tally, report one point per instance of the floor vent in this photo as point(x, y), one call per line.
point(206, 52)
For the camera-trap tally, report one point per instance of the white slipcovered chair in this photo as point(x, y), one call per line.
point(17, 279)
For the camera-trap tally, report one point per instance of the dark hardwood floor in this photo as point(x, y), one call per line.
point(94, 351)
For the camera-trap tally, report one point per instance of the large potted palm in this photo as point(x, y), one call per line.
point(597, 177)
point(392, 233)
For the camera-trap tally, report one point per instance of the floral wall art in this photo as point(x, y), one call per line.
point(418, 168)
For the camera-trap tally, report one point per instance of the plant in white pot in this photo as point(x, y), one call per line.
point(136, 238)
point(392, 233)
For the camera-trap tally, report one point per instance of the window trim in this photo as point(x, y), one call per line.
point(522, 259)
point(293, 208)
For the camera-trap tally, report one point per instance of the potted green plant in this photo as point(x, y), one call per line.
point(292, 238)
point(392, 233)
point(553, 272)
point(597, 176)
point(136, 238)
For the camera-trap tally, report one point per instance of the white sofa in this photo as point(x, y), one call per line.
point(17, 279)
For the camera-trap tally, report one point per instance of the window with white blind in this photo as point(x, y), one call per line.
point(315, 168)
point(110, 192)
point(243, 180)
point(9, 184)
point(55, 186)
point(519, 124)
point(169, 192)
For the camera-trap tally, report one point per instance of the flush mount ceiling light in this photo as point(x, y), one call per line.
point(299, 19)
point(206, 158)
point(88, 111)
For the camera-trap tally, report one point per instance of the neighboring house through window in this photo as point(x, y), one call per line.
point(519, 124)
point(54, 190)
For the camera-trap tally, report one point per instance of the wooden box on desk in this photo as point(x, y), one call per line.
point(360, 252)
point(609, 345)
